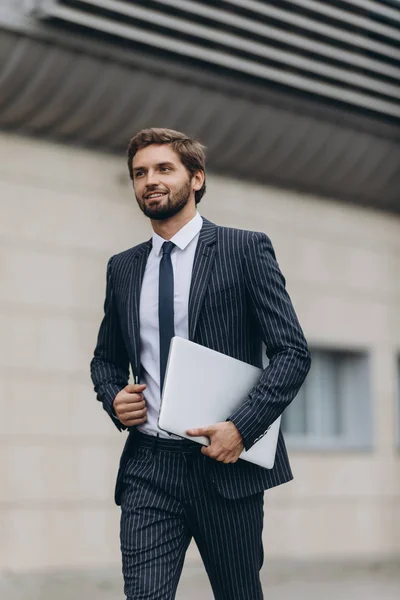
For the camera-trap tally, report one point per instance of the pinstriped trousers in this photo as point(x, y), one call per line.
point(167, 499)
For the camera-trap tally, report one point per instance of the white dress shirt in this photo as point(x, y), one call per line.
point(182, 258)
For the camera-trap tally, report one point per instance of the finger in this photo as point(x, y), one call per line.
point(211, 452)
point(132, 422)
point(137, 421)
point(128, 407)
point(231, 459)
point(206, 450)
point(133, 397)
point(207, 431)
point(130, 399)
point(135, 414)
point(218, 457)
point(221, 456)
point(134, 387)
point(131, 414)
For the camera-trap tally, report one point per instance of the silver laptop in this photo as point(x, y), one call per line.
point(203, 387)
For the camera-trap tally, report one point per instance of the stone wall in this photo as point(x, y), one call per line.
point(64, 211)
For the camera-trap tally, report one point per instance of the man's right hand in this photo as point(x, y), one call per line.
point(130, 406)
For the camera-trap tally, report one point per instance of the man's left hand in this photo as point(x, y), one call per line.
point(226, 443)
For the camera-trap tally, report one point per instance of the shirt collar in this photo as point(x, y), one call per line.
point(183, 237)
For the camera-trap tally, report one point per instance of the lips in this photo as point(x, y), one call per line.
point(154, 195)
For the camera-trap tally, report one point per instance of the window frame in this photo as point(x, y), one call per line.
point(397, 402)
point(355, 437)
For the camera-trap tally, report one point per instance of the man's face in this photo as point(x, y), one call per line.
point(161, 182)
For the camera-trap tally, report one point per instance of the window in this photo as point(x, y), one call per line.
point(398, 403)
point(333, 408)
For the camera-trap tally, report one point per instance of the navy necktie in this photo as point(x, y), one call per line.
point(165, 307)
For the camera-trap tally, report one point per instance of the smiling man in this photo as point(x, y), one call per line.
point(223, 289)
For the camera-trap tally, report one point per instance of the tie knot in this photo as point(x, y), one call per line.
point(167, 247)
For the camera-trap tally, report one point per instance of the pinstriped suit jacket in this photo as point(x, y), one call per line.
point(237, 301)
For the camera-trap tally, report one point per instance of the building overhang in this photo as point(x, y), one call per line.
point(64, 85)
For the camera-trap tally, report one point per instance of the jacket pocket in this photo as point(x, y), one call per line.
point(221, 297)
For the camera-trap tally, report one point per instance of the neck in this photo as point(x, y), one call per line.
point(169, 227)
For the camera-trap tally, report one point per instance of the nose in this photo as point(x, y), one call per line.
point(152, 179)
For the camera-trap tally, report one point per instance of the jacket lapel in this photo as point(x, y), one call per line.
point(138, 268)
point(202, 265)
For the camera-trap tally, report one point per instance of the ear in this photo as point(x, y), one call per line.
point(198, 180)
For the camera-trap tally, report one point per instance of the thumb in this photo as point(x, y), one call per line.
point(135, 388)
point(207, 431)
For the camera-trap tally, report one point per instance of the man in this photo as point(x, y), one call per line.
point(223, 289)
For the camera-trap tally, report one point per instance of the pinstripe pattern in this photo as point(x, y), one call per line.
point(237, 300)
point(167, 499)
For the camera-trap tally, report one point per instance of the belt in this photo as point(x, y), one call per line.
point(156, 443)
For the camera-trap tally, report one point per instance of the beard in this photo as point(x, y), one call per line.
point(169, 208)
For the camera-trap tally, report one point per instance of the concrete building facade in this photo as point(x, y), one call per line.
point(64, 211)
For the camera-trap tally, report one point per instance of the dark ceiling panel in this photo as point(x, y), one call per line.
point(338, 51)
point(65, 88)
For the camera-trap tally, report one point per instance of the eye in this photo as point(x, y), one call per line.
point(165, 169)
point(138, 174)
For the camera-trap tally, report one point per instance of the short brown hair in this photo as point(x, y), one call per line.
point(191, 152)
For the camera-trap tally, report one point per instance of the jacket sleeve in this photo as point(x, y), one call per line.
point(109, 367)
point(286, 347)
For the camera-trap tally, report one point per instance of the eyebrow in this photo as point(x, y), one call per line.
point(162, 164)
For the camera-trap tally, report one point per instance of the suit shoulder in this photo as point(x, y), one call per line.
point(124, 257)
point(240, 237)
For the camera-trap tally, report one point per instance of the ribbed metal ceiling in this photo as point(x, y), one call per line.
point(80, 89)
point(341, 51)
point(52, 91)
